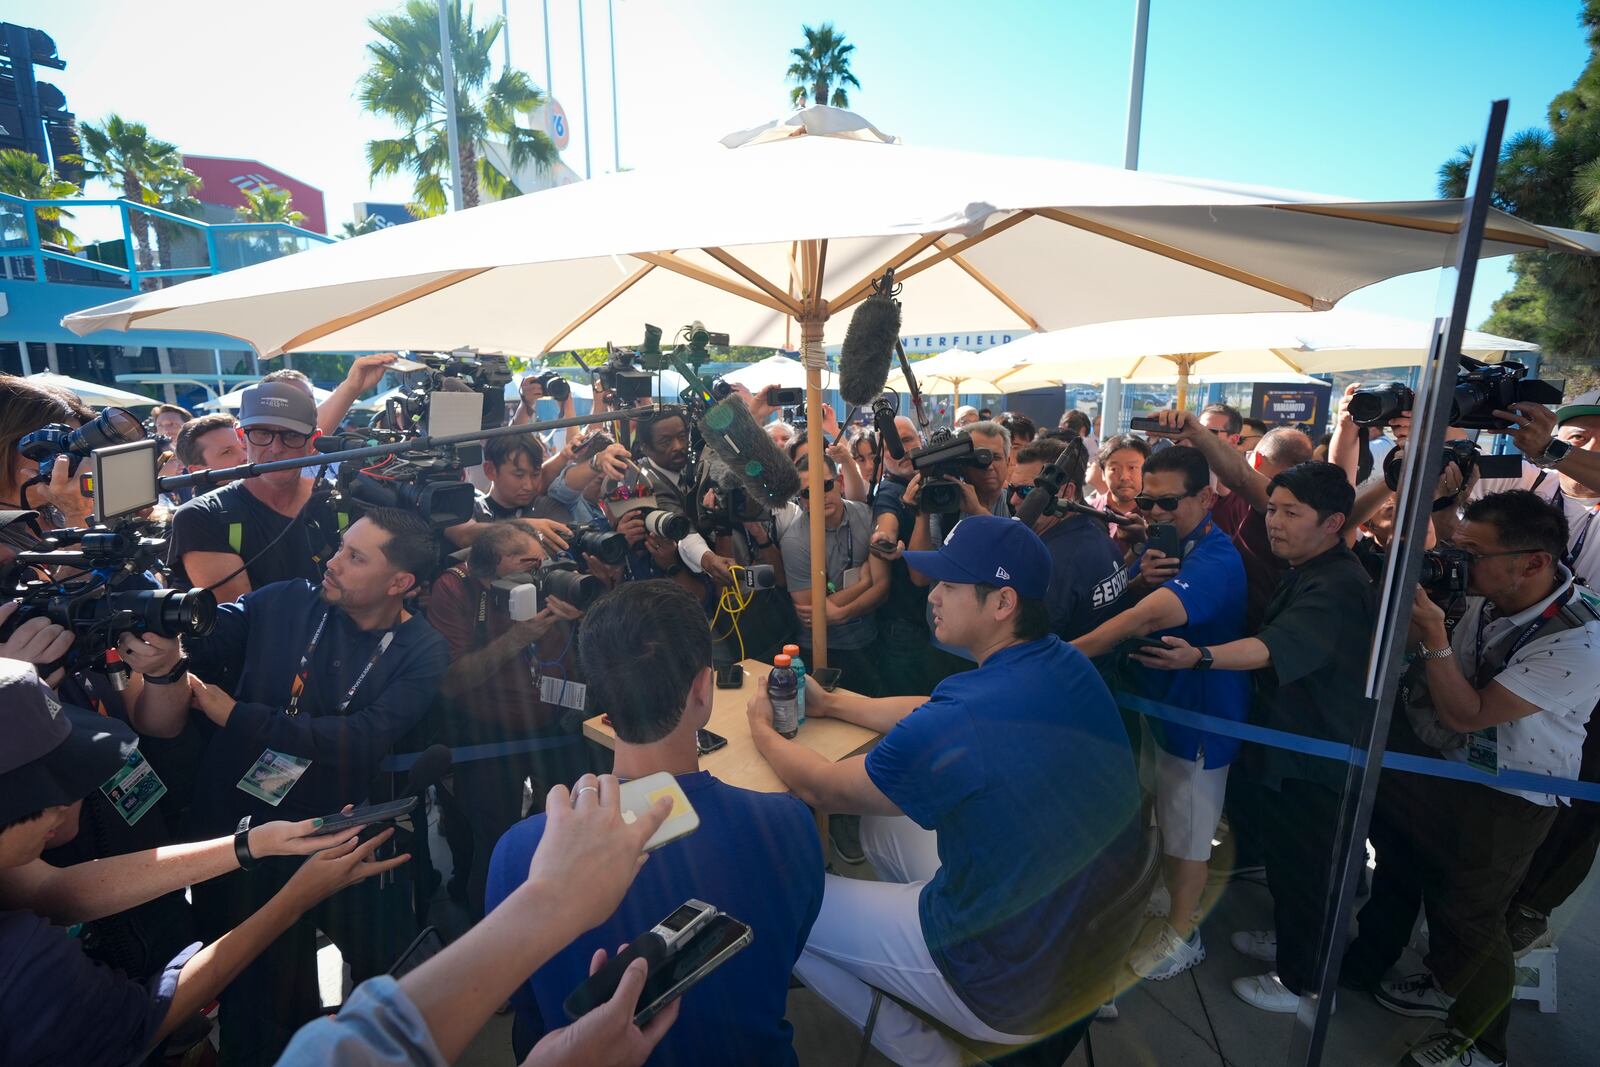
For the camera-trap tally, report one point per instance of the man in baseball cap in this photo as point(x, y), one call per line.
point(1001, 814)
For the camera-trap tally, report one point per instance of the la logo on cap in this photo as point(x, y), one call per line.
point(1000, 572)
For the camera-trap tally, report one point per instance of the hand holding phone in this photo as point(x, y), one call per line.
point(671, 971)
point(372, 814)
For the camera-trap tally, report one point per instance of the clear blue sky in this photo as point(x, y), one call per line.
point(1363, 98)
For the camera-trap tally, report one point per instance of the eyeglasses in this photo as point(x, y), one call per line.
point(1476, 557)
point(1019, 491)
point(827, 487)
point(261, 437)
point(1165, 503)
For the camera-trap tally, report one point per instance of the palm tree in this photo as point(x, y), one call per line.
point(370, 224)
point(24, 174)
point(269, 203)
point(125, 156)
point(823, 64)
point(174, 188)
point(404, 82)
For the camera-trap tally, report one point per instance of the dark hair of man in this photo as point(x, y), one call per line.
point(501, 450)
point(1258, 425)
point(1322, 486)
point(1235, 420)
point(1042, 450)
point(1078, 421)
point(161, 409)
point(1032, 620)
point(1045, 450)
point(1285, 446)
point(4, 826)
point(1191, 461)
point(647, 427)
point(802, 462)
point(187, 445)
point(493, 545)
point(641, 646)
point(1522, 519)
point(1019, 425)
point(1122, 441)
point(411, 547)
point(26, 407)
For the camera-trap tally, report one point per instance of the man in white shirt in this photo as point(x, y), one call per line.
point(1511, 688)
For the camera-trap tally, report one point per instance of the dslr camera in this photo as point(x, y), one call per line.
point(113, 426)
point(942, 462)
point(1445, 570)
point(1481, 389)
point(518, 595)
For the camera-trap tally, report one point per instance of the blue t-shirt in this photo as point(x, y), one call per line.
point(1211, 584)
point(756, 857)
point(1023, 769)
point(1083, 567)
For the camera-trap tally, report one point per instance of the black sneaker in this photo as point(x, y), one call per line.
point(1529, 930)
point(845, 833)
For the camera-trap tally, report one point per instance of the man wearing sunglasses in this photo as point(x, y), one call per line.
point(1198, 595)
point(257, 531)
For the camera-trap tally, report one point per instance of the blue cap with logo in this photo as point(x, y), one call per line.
point(990, 550)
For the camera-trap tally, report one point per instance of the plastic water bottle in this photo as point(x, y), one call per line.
point(799, 665)
point(781, 690)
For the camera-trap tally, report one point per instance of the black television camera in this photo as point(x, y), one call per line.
point(113, 426)
point(942, 462)
point(96, 603)
point(620, 377)
point(426, 481)
point(463, 370)
point(1481, 389)
point(559, 578)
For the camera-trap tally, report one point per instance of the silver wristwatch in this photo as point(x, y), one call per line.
point(1424, 652)
point(1553, 453)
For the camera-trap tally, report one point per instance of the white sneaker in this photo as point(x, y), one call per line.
point(1257, 944)
point(1168, 956)
point(1107, 1012)
point(1449, 1049)
point(1160, 904)
point(1266, 992)
point(1416, 995)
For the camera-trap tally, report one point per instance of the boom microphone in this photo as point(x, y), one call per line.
point(868, 348)
point(753, 460)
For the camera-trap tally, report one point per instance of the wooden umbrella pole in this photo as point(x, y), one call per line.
point(814, 314)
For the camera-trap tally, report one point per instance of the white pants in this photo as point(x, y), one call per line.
point(868, 936)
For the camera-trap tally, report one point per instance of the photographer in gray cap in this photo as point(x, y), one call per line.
point(266, 529)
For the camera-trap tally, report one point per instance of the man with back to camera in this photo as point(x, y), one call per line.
point(646, 646)
point(1307, 658)
point(1083, 562)
point(979, 909)
point(1198, 595)
point(323, 682)
point(260, 530)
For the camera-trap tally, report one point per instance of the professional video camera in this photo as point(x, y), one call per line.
point(464, 370)
point(1481, 389)
point(942, 462)
point(559, 578)
point(426, 481)
point(113, 426)
point(625, 385)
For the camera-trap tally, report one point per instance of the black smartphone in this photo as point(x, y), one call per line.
point(827, 677)
point(1148, 425)
point(779, 397)
point(1162, 536)
point(385, 812)
point(1145, 642)
point(731, 676)
point(670, 975)
point(708, 742)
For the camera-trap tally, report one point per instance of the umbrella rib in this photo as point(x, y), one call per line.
point(598, 306)
point(1149, 244)
point(994, 290)
point(752, 276)
point(862, 288)
point(706, 277)
point(1404, 222)
point(373, 310)
point(1292, 364)
point(962, 245)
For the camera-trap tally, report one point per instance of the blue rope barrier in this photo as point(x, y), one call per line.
point(1398, 761)
point(472, 753)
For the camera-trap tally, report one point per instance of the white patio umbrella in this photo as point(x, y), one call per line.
point(1250, 345)
point(777, 370)
point(231, 400)
point(954, 371)
point(93, 393)
point(730, 238)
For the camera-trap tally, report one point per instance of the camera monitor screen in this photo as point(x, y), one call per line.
point(124, 479)
point(454, 413)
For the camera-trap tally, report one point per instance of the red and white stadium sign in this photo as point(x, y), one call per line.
point(224, 181)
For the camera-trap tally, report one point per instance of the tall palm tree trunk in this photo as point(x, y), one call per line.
point(819, 92)
point(132, 193)
point(469, 175)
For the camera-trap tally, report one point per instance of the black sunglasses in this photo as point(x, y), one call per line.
point(1165, 503)
point(1019, 491)
point(827, 487)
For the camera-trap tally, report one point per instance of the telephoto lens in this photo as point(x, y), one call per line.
point(1377, 405)
point(554, 385)
point(607, 547)
point(666, 524)
point(167, 612)
point(564, 582)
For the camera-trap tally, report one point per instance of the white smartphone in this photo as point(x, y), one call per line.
point(640, 793)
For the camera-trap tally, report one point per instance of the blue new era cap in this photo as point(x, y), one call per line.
point(990, 550)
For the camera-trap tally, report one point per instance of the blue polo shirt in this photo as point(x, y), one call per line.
point(1022, 768)
point(1211, 584)
point(254, 653)
point(756, 857)
point(1083, 567)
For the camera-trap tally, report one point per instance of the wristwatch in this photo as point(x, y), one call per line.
point(241, 845)
point(1204, 662)
point(1553, 453)
point(1424, 652)
point(175, 675)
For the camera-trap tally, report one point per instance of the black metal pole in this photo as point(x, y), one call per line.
point(213, 478)
point(1424, 456)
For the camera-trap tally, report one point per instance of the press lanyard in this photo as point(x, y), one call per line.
point(304, 674)
point(1482, 676)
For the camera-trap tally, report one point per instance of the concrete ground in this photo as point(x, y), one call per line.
point(1195, 1019)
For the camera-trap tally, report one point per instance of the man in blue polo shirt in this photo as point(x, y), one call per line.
point(1200, 596)
point(1001, 813)
point(646, 650)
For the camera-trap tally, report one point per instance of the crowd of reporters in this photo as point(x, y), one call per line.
point(1209, 564)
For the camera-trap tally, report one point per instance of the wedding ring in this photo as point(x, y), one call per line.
point(586, 789)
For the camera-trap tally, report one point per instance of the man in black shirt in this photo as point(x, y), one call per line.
point(1308, 657)
point(513, 465)
point(259, 530)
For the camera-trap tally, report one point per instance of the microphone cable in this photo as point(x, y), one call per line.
point(729, 601)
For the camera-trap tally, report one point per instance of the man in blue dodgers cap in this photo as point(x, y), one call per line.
point(1000, 813)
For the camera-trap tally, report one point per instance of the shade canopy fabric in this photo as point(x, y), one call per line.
point(231, 401)
point(720, 236)
point(93, 393)
point(777, 370)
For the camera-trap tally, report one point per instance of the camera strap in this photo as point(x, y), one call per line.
point(303, 675)
point(1486, 667)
